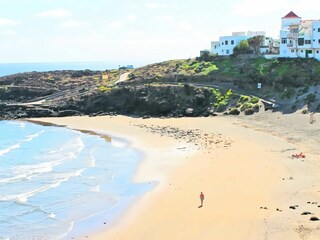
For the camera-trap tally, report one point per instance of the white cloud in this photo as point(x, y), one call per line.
point(8, 22)
point(72, 24)
point(115, 24)
point(185, 26)
point(132, 17)
point(252, 8)
point(55, 13)
point(155, 5)
point(9, 33)
point(164, 18)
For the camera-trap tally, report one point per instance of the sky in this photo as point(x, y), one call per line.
point(132, 31)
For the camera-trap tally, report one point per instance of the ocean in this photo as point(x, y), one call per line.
point(57, 182)
point(12, 68)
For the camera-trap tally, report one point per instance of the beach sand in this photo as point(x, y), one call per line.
point(253, 188)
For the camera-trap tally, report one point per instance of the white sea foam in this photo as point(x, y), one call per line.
point(32, 136)
point(91, 160)
point(21, 124)
point(14, 179)
point(95, 189)
point(23, 197)
point(76, 145)
point(44, 167)
point(118, 144)
point(8, 149)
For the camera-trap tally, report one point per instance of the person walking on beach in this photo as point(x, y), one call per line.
point(201, 199)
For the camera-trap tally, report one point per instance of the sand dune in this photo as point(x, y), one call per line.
point(253, 188)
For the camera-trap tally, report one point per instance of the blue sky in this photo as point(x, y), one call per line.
point(143, 31)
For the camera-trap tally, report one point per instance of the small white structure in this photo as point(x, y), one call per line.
point(299, 38)
point(226, 44)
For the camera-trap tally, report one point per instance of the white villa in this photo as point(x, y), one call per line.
point(226, 44)
point(299, 38)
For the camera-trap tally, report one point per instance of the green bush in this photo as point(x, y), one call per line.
point(102, 88)
point(254, 100)
point(245, 106)
point(249, 111)
point(234, 111)
point(244, 98)
point(221, 107)
point(256, 107)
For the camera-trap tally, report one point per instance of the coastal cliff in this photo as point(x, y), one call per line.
point(176, 88)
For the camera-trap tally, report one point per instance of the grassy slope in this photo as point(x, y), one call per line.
point(292, 81)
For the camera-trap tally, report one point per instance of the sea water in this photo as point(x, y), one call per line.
point(12, 68)
point(54, 179)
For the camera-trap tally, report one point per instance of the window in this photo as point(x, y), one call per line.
point(232, 42)
point(226, 42)
point(301, 51)
point(319, 41)
point(317, 51)
point(309, 51)
point(318, 29)
point(221, 43)
point(294, 30)
point(300, 41)
point(227, 51)
point(307, 41)
point(283, 40)
point(292, 50)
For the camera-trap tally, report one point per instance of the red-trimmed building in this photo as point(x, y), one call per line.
point(299, 38)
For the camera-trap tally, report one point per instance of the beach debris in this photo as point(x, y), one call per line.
point(288, 149)
point(292, 207)
point(264, 208)
point(279, 210)
point(300, 155)
point(290, 178)
point(308, 202)
point(315, 203)
point(314, 219)
point(306, 213)
point(195, 136)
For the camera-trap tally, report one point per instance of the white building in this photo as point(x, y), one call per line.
point(299, 38)
point(226, 44)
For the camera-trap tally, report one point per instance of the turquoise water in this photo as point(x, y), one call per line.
point(56, 182)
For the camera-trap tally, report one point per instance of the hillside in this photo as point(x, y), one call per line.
point(186, 87)
point(291, 82)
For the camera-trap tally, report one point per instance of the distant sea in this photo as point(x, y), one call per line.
point(12, 68)
point(57, 182)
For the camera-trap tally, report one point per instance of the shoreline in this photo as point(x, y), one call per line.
point(238, 186)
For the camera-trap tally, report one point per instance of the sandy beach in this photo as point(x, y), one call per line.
point(253, 188)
